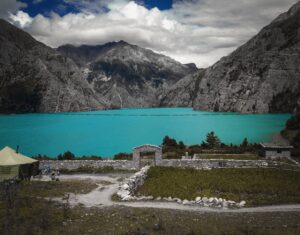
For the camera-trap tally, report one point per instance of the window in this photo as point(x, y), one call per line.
point(279, 151)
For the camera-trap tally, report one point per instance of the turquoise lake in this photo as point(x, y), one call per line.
point(106, 133)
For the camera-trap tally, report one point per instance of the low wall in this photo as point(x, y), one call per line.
point(74, 164)
point(202, 164)
point(129, 165)
point(274, 154)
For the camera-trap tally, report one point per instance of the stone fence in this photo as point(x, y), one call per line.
point(211, 163)
point(75, 164)
point(130, 165)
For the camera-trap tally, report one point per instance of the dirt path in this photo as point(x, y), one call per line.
point(108, 184)
point(101, 196)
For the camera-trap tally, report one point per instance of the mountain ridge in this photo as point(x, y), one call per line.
point(261, 76)
point(126, 74)
point(35, 78)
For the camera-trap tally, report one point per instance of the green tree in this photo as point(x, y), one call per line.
point(212, 140)
point(168, 142)
point(181, 145)
point(245, 143)
point(294, 122)
point(66, 156)
point(296, 141)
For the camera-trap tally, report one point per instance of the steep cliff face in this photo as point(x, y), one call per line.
point(36, 78)
point(127, 75)
point(259, 77)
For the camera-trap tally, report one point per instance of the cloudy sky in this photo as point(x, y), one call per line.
point(199, 31)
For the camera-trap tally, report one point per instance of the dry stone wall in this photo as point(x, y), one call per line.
point(130, 165)
point(75, 164)
point(206, 164)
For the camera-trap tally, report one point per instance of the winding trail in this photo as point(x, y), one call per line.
point(108, 184)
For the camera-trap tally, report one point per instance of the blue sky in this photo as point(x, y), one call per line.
point(61, 7)
point(35, 7)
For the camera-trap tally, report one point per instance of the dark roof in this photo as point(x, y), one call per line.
point(276, 146)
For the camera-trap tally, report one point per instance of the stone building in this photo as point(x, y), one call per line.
point(273, 151)
point(147, 148)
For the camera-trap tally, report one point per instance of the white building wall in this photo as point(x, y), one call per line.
point(275, 154)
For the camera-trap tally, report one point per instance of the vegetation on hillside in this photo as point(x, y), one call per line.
point(255, 186)
point(292, 133)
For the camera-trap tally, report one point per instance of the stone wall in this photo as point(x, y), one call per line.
point(130, 165)
point(205, 164)
point(272, 154)
point(74, 164)
point(127, 189)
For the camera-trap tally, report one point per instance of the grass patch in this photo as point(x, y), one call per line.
point(256, 186)
point(230, 156)
point(55, 188)
point(115, 197)
point(49, 219)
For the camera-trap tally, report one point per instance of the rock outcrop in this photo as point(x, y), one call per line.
point(36, 78)
point(261, 76)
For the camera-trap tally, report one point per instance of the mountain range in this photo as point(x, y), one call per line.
point(125, 74)
point(261, 76)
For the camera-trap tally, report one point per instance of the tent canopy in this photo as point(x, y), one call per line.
point(9, 157)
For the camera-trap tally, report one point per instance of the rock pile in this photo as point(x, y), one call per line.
point(205, 202)
point(127, 189)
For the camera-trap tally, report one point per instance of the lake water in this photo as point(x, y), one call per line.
point(106, 133)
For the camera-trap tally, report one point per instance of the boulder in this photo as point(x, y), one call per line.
point(185, 202)
point(205, 199)
point(242, 204)
point(125, 186)
point(224, 204)
point(198, 199)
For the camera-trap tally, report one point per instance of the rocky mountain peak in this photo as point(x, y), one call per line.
point(36, 78)
point(261, 76)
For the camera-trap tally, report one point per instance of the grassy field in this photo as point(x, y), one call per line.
point(55, 188)
point(255, 186)
point(48, 218)
point(230, 156)
point(27, 213)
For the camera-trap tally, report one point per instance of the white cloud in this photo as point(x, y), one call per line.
point(21, 18)
point(200, 31)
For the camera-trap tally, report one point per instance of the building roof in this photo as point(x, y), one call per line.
point(276, 146)
point(147, 146)
point(9, 157)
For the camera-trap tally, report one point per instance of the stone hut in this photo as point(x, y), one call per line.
point(274, 151)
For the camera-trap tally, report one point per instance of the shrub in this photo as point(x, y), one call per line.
point(66, 156)
point(123, 156)
point(294, 122)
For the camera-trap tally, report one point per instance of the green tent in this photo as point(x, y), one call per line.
point(14, 165)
